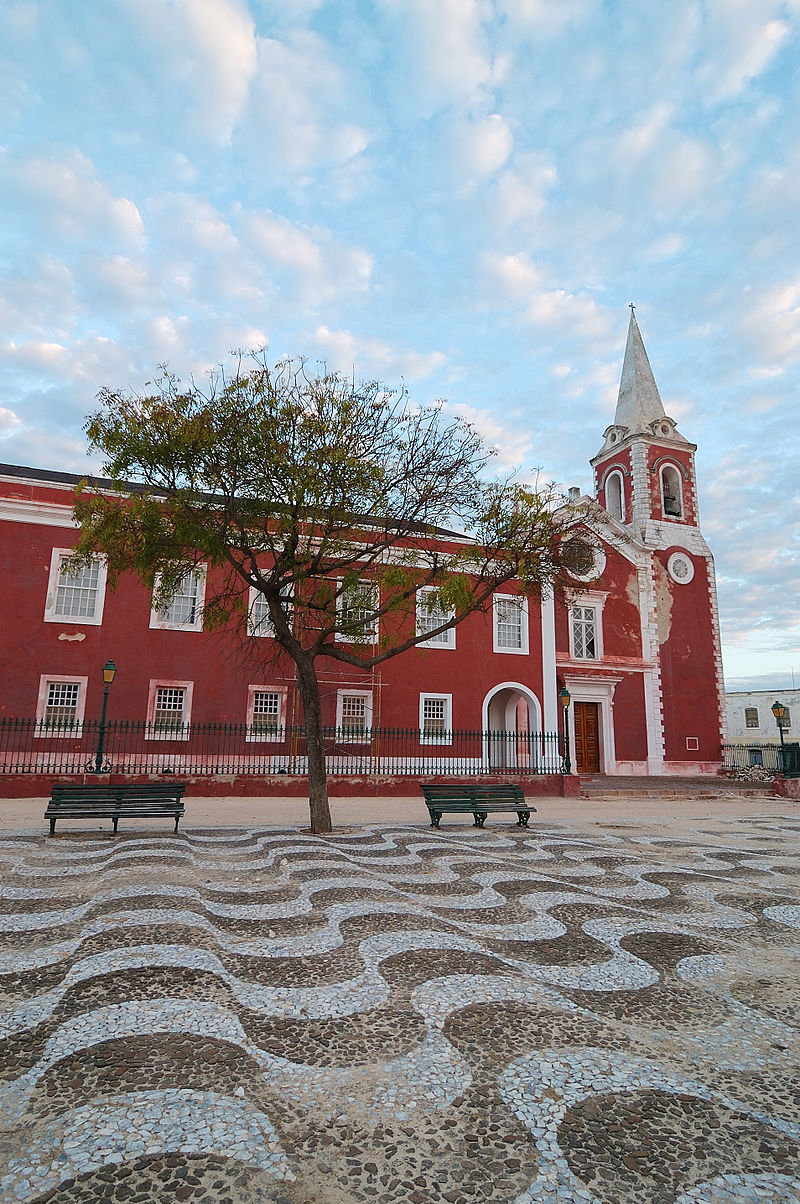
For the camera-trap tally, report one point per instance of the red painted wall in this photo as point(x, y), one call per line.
point(688, 670)
point(215, 661)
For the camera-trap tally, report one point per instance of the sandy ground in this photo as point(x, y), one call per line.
point(16, 814)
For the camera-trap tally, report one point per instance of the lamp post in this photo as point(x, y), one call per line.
point(565, 698)
point(109, 673)
point(780, 711)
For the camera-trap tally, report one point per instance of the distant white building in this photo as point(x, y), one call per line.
point(750, 719)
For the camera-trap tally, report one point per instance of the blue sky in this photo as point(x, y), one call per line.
point(461, 193)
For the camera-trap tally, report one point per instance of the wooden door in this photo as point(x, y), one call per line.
point(587, 737)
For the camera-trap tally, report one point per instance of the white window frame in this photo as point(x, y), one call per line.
point(589, 601)
point(264, 629)
point(45, 681)
point(447, 736)
point(616, 474)
point(258, 737)
point(341, 606)
point(50, 614)
point(340, 697)
point(445, 639)
point(157, 619)
point(521, 601)
point(157, 684)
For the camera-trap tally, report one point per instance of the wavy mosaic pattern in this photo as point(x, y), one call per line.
point(395, 1014)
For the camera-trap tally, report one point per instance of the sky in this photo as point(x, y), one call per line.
point(463, 195)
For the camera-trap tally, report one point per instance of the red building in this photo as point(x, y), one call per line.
point(636, 644)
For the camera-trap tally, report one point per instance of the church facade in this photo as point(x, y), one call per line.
point(635, 641)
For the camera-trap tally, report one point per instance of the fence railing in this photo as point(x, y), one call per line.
point(773, 757)
point(29, 746)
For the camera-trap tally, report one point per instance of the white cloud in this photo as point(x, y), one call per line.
point(477, 148)
point(514, 447)
point(743, 37)
point(302, 114)
point(65, 196)
point(9, 422)
point(343, 351)
point(543, 18)
point(441, 52)
point(207, 48)
point(771, 324)
point(310, 264)
point(511, 278)
point(521, 190)
point(578, 315)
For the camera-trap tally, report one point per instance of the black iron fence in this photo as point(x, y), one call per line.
point(129, 746)
point(737, 758)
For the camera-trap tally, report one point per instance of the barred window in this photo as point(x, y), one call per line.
point(266, 712)
point(61, 706)
point(584, 633)
point(76, 595)
point(435, 718)
point(353, 715)
point(169, 708)
point(751, 716)
point(430, 614)
point(510, 624)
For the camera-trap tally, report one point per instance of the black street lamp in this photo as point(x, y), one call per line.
point(780, 712)
point(109, 673)
point(565, 698)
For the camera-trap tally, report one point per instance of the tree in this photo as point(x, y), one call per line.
point(323, 493)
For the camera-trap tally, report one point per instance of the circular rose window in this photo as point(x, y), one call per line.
point(680, 568)
point(581, 560)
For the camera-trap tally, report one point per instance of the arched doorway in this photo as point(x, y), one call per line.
point(512, 725)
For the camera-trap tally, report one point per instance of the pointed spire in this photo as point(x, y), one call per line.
point(638, 403)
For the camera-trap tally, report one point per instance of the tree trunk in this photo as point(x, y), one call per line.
point(317, 772)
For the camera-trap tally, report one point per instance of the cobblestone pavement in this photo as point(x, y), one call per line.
point(599, 1016)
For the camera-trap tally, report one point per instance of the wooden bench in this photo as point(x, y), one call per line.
point(148, 800)
point(477, 798)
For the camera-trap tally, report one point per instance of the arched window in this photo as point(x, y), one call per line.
point(615, 496)
point(671, 494)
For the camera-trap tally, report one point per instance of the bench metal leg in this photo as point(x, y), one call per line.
point(522, 818)
point(480, 818)
point(177, 817)
point(52, 826)
point(115, 821)
point(435, 817)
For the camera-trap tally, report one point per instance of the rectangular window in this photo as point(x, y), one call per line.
point(266, 719)
point(258, 620)
point(430, 614)
point(510, 623)
point(355, 609)
point(169, 710)
point(435, 718)
point(354, 716)
point(184, 610)
point(751, 716)
point(584, 633)
point(60, 706)
point(75, 591)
